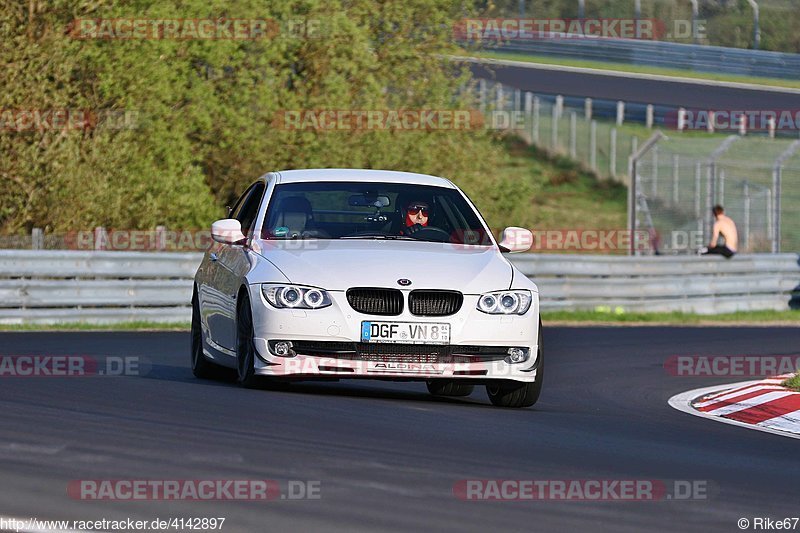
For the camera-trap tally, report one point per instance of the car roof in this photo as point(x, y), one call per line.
point(361, 175)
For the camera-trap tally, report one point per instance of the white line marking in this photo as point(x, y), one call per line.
point(727, 396)
point(683, 402)
point(634, 75)
point(755, 401)
point(788, 422)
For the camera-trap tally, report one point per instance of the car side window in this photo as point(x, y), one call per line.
point(247, 208)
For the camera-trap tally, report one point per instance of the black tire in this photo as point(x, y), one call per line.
point(444, 387)
point(507, 393)
point(245, 347)
point(201, 367)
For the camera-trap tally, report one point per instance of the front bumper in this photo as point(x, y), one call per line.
point(328, 344)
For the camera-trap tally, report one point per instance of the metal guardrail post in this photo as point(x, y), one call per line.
point(632, 188)
point(535, 126)
point(777, 174)
point(587, 109)
point(593, 145)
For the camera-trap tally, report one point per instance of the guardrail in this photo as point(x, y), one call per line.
point(692, 284)
point(699, 58)
point(108, 287)
point(95, 287)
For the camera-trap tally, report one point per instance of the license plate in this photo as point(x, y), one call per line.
point(405, 332)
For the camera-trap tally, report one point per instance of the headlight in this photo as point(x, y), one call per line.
point(295, 297)
point(505, 302)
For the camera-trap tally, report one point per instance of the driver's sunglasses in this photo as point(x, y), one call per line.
point(414, 210)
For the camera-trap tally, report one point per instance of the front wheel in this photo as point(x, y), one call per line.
point(507, 393)
point(245, 347)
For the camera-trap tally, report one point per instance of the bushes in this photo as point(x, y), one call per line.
point(204, 109)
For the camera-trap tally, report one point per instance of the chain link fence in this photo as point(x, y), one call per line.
point(567, 126)
point(681, 177)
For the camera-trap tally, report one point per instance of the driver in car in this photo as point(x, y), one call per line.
point(417, 213)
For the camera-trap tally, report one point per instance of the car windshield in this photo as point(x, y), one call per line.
point(358, 210)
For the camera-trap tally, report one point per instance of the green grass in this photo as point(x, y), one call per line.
point(83, 326)
point(639, 69)
point(553, 192)
point(793, 383)
point(609, 316)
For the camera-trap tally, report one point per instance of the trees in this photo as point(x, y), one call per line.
point(179, 126)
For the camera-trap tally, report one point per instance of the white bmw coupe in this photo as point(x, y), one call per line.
point(336, 273)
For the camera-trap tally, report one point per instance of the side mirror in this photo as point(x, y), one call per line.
point(228, 231)
point(516, 239)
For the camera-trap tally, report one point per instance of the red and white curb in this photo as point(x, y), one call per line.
point(763, 405)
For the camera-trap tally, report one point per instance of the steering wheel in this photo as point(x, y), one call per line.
point(429, 233)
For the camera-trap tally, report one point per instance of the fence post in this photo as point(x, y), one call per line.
point(712, 120)
point(612, 153)
point(620, 112)
point(528, 102)
point(776, 186)
point(746, 235)
point(649, 117)
point(554, 129)
point(777, 175)
point(559, 105)
point(675, 179)
point(161, 238)
point(655, 172)
point(482, 94)
point(517, 99)
point(593, 145)
point(37, 239)
point(587, 109)
point(698, 173)
point(633, 162)
point(499, 97)
point(573, 128)
point(771, 127)
point(100, 238)
point(536, 107)
point(681, 118)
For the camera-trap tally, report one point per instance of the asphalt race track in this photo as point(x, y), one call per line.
point(387, 455)
point(644, 91)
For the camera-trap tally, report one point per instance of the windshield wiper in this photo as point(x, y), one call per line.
point(379, 236)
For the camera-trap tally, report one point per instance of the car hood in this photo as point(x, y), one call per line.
point(340, 264)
